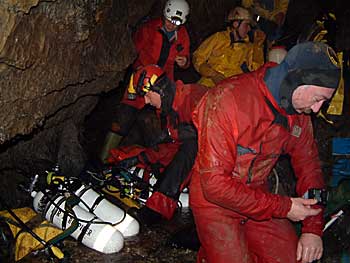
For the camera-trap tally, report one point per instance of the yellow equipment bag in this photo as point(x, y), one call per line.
point(25, 242)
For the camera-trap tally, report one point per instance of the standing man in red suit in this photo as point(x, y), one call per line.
point(162, 41)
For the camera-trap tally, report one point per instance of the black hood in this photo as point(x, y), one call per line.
point(308, 63)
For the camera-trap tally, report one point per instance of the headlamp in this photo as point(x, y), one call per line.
point(176, 20)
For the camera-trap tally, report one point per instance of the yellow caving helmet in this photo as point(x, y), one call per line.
point(144, 79)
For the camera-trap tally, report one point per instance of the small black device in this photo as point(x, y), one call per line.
point(321, 195)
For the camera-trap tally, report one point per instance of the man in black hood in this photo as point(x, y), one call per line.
point(244, 125)
point(306, 64)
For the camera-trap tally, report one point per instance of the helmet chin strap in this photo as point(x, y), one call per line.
point(235, 33)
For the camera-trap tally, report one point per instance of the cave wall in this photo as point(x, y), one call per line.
point(54, 52)
point(56, 58)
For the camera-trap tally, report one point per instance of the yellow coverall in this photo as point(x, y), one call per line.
point(223, 57)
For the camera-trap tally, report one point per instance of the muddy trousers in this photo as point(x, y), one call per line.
point(225, 239)
point(175, 178)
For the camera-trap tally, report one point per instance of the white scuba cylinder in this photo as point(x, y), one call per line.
point(107, 211)
point(184, 196)
point(277, 54)
point(101, 237)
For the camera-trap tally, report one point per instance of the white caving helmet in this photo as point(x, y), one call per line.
point(176, 11)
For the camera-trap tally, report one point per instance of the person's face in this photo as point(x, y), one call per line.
point(153, 98)
point(169, 26)
point(243, 28)
point(309, 98)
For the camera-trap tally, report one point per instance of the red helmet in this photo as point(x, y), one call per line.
point(145, 79)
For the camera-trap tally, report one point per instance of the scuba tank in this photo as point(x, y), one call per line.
point(184, 199)
point(106, 211)
point(95, 203)
point(92, 231)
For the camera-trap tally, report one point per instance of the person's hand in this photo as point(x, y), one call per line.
point(181, 61)
point(259, 37)
point(301, 209)
point(218, 77)
point(164, 137)
point(309, 248)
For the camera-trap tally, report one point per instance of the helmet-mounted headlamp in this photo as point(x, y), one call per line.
point(176, 11)
point(176, 20)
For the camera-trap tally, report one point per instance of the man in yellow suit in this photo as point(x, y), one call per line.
point(231, 52)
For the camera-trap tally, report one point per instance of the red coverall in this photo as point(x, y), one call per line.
point(154, 48)
point(178, 157)
point(241, 133)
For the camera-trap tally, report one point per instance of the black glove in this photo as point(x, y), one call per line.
point(164, 137)
point(155, 169)
point(129, 162)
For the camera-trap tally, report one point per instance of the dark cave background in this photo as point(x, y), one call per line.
point(62, 68)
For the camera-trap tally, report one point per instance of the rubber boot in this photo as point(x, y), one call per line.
point(145, 216)
point(112, 140)
point(186, 237)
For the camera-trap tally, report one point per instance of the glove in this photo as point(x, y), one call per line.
point(164, 137)
point(129, 162)
point(156, 169)
point(259, 37)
